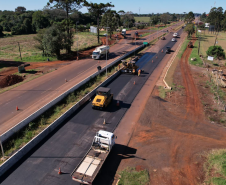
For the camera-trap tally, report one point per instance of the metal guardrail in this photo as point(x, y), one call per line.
point(40, 111)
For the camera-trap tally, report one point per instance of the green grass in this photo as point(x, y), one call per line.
point(194, 54)
point(183, 48)
point(142, 19)
point(215, 167)
point(162, 92)
point(130, 176)
point(35, 58)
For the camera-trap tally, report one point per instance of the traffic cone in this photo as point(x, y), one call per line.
point(104, 122)
point(65, 80)
point(117, 103)
point(59, 171)
point(17, 108)
point(162, 50)
point(152, 61)
point(156, 56)
point(134, 82)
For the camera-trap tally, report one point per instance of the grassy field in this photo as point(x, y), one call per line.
point(142, 19)
point(9, 49)
point(130, 176)
point(208, 39)
point(215, 167)
point(194, 54)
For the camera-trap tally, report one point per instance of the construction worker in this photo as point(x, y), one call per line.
point(139, 71)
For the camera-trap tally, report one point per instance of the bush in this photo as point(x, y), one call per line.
point(216, 51)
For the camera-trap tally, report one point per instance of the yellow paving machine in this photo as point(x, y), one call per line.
point(103, 98)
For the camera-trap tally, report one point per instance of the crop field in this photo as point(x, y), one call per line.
point(9, 49)
point(142, 19)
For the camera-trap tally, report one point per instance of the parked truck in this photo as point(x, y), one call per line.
point(90, 165)
point(103, 98)
point(100, 52)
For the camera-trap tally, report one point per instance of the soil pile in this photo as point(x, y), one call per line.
point(10, 80)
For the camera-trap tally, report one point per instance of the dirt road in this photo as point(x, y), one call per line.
point(172, 134)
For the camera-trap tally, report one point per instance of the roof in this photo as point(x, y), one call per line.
point(103, 89)
point(105, 133)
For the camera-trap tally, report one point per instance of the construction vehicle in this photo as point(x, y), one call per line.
point(90, 165)
point(130, 67)
point(100, 52)
point(190, 45)
point(103, 98)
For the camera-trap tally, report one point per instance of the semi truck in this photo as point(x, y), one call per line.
point(100, 52)
point(103, 98)
point(90, 165)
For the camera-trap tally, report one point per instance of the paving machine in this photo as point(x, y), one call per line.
point(129, 67)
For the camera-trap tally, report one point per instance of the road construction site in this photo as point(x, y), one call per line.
point(66, 146)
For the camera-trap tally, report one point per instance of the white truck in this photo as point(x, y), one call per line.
point(90, 165)
point(123, 32)
point(175, 35)
point(100, 52)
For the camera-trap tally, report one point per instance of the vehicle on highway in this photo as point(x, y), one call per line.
point(90, 165)
point(163, 38)
point(123, 32)
point(103, 98)
point(168, 49)
point(129, 67)
point(175, 35)
point(173, 40)
point(100, 52)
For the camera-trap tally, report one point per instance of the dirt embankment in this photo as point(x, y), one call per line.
point(172, 133)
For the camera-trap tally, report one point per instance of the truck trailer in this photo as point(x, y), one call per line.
point(90, 165)
point(100, 52)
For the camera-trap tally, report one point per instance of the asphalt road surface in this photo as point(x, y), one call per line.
point(68, 144)
point(40, 89)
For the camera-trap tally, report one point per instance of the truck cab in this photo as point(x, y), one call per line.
point(103, 98)
point(100, 52)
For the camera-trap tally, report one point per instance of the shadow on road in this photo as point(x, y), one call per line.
point(108, 170)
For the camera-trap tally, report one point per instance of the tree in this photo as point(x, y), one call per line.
point(189, 17)
point(190, 29)
point(110, 19)
point(54, 40)
point(39, 39)
point(215, 17)
point(97, 10)
point(154, 19)
point(216, 51)
point(69, 6)
point(203, 17)
point(165, 18)
point(39, 21)
point(1, 29)
point(20, 9)
point(128, 19)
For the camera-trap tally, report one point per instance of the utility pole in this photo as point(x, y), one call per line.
point(19, 50)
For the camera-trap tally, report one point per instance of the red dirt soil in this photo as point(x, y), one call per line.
point(172, 134)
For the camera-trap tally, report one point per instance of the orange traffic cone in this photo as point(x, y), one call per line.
point(17, 108)
point(162, 50)
point(134, 82)
point(117, 103)
point(65, 80)
point(59, 171)
point(152, 61)
point(156, 56)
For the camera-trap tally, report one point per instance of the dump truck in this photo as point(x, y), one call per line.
point(100, 52)
point(129, 67)
point(190, 45)
point(90, 165)
point(103, 98)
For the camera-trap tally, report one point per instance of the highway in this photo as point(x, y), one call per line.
point(66, 146)
point(36, 93)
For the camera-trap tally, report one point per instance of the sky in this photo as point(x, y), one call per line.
point(136, 6)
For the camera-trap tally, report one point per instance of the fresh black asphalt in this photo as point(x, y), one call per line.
point(68, 144)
